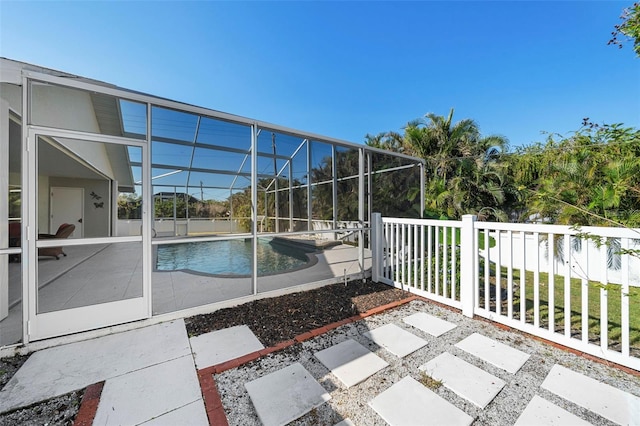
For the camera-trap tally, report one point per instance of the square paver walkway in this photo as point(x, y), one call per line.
point(466, 380)
point(429, 324)
point(223, 345)
point(284, 395)
point(155, 393)
point(493, 352)
point(396, 340)
point(410, 403)
point(539, 411)
point(351, 362)
point(614, 404)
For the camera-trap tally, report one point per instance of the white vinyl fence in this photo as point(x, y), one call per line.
point(516, 274)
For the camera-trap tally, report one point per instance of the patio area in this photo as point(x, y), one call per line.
point(104, 273)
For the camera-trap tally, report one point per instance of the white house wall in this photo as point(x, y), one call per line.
point(91, 152)
point(71, 109)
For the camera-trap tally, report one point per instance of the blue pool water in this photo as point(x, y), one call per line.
point(230, 257)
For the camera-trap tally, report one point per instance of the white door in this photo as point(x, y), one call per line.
point(67, 206)
point(97, 282)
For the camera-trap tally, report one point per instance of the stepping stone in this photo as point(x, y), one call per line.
point(351, 362)
point(223, 345)
point(609, 402)
point(540, 412)
point(151, 393)
point(409, 403)
point(464, 379)
point(395, 339)
point(495, 353)
point(285, 395)
point(429, 324)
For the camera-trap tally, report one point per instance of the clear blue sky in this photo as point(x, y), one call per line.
point(345, 69)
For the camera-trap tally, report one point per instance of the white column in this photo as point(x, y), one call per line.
point(376, 246)
point(361, 210)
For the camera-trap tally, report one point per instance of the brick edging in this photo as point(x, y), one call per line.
point(89, 405)
point(210, 394)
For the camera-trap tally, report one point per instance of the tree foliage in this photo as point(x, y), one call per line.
point(629, 29)
point(463, 171)
point(590, 178)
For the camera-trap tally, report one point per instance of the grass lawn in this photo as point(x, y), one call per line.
point(593, 308)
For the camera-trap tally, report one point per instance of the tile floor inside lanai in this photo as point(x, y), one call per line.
point(415, 364)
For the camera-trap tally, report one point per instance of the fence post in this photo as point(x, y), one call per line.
point(376, 246)
point(468, 264)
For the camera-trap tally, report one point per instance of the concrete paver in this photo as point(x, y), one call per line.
point(285, 395)
point(540, 412)
point(351, 362)
point(493, 352)
point(409, 403)
point(66, 368)
point(223, 345)
point(429, 324)
point(609, 402)
point(189, 415)
point(464, 379)
point(149, 393)
point(395, 339)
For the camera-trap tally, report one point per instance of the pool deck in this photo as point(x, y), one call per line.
point(111, 272)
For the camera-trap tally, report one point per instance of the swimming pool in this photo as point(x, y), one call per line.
point(230, 257)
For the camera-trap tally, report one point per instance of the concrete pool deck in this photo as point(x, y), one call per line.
point(98, 274)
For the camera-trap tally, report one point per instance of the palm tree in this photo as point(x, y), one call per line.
point(463, 174)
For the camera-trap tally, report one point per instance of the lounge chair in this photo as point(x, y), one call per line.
point(63, 232)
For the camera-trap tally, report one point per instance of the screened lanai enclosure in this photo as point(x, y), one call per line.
point(121, 207)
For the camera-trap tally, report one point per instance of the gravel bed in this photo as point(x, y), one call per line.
point(352, 403)
point(59, 411)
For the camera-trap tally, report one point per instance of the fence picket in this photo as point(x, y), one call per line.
point(510, 275)
point(422, 260)
point(604, 304)
point(429, 257)
point(523, 277)
point(487, 270)
point(551, 308)
point(624, 301)
point(536, 282)
point(437, 269)
point(567, 285)
point(584, 310)
point(498, 272)
point(444, 262)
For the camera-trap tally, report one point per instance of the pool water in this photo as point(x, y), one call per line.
point(230, 257)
